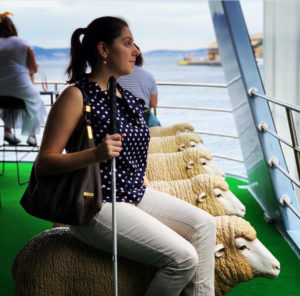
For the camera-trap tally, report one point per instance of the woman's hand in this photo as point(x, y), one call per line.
point(146, 182)
point(110, 147)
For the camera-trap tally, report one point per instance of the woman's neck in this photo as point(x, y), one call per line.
point(101, 78)
point(101, 75)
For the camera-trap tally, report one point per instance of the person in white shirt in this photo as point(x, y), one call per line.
point(18, 66)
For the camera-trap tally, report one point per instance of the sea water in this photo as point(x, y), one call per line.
point(166, 69)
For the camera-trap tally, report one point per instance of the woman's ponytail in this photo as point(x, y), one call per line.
point(78, 62)
point(85, 53)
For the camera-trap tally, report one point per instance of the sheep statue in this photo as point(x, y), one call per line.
point(56, 263)
point(161, 131)
point(181, 165)
point(174, 143)
point(208, 192)
point(240, 256)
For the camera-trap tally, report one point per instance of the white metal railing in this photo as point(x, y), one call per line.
point(254, 92)
point(216, 134)
point(263, 127)
point(56, 84)
point(285, 201)
point(215, 85)
point(273, 161)
point(194, 108)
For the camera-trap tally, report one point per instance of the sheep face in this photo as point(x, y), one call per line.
point(214, 196)
point(201, 161)
point(230, 202)
point(263, 262)
point(240, 256)
point(211, 167)
point(203, 165)
point(190, 144)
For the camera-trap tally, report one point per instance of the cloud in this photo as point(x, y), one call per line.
point(156, 24)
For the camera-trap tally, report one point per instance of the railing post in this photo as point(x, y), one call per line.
point(290, 118)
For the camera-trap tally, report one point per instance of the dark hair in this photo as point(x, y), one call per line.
point(84, 53)
point(7, 27)
point(139, 59)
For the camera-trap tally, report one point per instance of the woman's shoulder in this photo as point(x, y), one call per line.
point(16, 40)
point(71, 95)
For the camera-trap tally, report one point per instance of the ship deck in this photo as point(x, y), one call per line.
point(17, 227)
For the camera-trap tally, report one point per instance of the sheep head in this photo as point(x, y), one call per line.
point(183, 127)
point(214, 196)
point(159, 131)
point(200, 161)
point(240, 256)
point(188, 140)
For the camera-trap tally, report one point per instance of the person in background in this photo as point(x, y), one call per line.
point(17, 67)
point(142, 84)
point(153, 227)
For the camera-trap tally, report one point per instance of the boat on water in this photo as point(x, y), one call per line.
point(268, 190)
point(213, 54)
point(199, 62)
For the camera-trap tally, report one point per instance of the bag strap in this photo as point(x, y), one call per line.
point(86, 113)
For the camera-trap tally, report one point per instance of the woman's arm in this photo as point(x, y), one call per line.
point(146, 182)
point(30, 61)
point(153, 100)
point(62, 120)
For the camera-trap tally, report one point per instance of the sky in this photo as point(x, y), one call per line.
point(155, 24)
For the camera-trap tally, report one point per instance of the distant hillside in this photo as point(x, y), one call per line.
point(176, 53)
point(64, 53)
point(51, 53)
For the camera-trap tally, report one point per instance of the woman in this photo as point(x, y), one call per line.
point(142, 84)
point(17, 66)
point(153, 227)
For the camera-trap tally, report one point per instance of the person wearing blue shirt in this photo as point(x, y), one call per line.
point(142, 84)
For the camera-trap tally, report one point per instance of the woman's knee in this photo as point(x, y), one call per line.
point(187, 259)
point(206, 229)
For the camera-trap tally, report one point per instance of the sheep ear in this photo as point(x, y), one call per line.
point(190, 164)
point(201, 197)
point(181, 147)
point(219, 250)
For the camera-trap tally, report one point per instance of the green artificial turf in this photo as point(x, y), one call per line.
point(17, 227)
point(288, 281)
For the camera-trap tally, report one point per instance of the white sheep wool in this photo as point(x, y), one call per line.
point(190, 190)
point(177, 165)
point(161, 131)
point(232, 267)
point(174, 143)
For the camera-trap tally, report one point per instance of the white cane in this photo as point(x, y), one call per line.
point(112, 95)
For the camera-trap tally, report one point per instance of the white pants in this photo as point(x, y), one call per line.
point(161, 231)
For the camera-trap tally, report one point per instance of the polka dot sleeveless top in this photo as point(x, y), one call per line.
point(131, 164)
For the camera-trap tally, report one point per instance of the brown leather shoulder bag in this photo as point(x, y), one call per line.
point(72, 198)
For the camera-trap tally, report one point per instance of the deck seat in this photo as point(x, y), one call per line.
point(11, 103)
point(54, 262)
